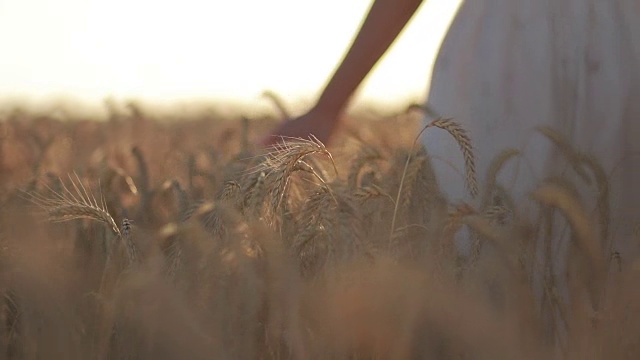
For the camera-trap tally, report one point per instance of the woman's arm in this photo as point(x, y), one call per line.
point(383, 23)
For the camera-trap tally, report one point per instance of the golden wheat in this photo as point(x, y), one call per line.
point(276, 255)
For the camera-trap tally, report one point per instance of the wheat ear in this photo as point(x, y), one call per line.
point(130, 246)
point(366, 155)
point(284, 159)
point(461, 136)
point(277, 101)
point(558, 196)
point(68, 205)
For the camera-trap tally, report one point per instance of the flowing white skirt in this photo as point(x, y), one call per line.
point(508, 66)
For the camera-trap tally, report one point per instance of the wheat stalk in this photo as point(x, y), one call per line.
point(574, 157)
point(579, 161)
point(144, 182)
point(560, 196)
point(496, 165)
point(463, 140)
point(602, 183)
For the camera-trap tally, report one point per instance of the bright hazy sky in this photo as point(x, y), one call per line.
point(178, 49)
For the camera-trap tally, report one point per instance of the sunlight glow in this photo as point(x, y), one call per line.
point(173, 49)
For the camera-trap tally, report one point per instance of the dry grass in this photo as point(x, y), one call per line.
point(177, 240)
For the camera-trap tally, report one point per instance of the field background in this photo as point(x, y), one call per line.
point(137, 236)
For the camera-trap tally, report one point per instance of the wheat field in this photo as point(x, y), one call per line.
point(142, 237)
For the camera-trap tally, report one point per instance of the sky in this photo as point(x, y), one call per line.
point(171, 50)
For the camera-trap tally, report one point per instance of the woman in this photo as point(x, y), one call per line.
point(507, 67)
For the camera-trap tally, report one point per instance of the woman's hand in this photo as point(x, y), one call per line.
point(320, 124)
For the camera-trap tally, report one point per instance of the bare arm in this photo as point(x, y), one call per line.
point(383, 23)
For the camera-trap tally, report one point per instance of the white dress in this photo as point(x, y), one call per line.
point(507, 67)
